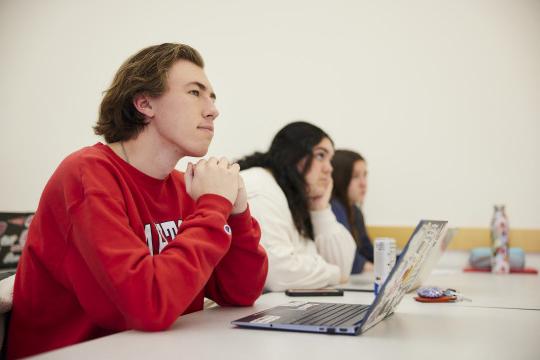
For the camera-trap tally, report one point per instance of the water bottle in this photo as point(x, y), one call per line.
point(500, 263)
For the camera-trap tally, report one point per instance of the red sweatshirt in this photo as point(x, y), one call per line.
point(112, 249)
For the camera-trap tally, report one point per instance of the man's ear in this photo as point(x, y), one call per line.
point(143, 105)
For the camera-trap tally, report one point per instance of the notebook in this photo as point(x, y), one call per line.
point(354, 319)
point(13, 232)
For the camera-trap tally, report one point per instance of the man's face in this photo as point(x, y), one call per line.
point(358, 185)
point(319, 174)
point(183, 117)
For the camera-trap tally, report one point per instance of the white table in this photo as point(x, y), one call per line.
point(519, 291)
point(415, 331)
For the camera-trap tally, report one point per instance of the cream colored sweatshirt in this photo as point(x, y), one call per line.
point(296, 261)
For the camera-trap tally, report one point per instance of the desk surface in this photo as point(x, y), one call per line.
point(416, 330)
point(412, 332)
point(519, 291)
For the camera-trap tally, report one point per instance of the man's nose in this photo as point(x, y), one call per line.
point(211, 111)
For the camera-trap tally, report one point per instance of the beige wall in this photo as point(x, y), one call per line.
point(465, 238)
point(442, 97)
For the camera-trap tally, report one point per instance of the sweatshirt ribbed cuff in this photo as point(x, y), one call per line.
point(335, 275)
point(241, 223)
point(216, 203)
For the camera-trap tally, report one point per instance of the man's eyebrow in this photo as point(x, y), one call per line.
point(203, 88)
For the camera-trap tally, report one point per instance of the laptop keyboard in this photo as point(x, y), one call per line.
point(331, 314)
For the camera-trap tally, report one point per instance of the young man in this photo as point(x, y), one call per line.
point(120, 239)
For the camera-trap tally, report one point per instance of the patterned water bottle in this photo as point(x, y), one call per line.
point(500, 263)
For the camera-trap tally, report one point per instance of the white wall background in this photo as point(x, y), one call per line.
point(442, 97)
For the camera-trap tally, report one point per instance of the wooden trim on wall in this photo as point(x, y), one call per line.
point(465, 239)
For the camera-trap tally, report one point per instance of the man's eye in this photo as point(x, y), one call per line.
point(195, 92)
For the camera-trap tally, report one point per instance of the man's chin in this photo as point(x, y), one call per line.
point(198, 152)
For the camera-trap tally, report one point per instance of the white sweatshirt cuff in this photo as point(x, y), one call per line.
point(335, 275)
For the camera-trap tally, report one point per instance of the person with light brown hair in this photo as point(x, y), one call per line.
point(121, 240)
point(350, 186)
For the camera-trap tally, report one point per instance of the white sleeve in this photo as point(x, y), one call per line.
point(334, 242)
point(293, 260)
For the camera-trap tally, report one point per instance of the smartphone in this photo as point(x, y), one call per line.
point(314, 292)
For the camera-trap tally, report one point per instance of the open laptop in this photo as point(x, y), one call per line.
point(354, 319)
point(433, 257)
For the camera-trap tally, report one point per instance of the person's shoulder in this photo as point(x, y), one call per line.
point(68, 178)
point(94, 167)
point(256, 171)
point(258, 176)
point(91, 155)
point(261, 183)
point(339, 211)
point(337, 206)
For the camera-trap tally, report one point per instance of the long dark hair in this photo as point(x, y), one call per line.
point(291, 144)
point(343, 164)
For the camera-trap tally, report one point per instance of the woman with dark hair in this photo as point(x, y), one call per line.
point(289, 189)
point(350, 183)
